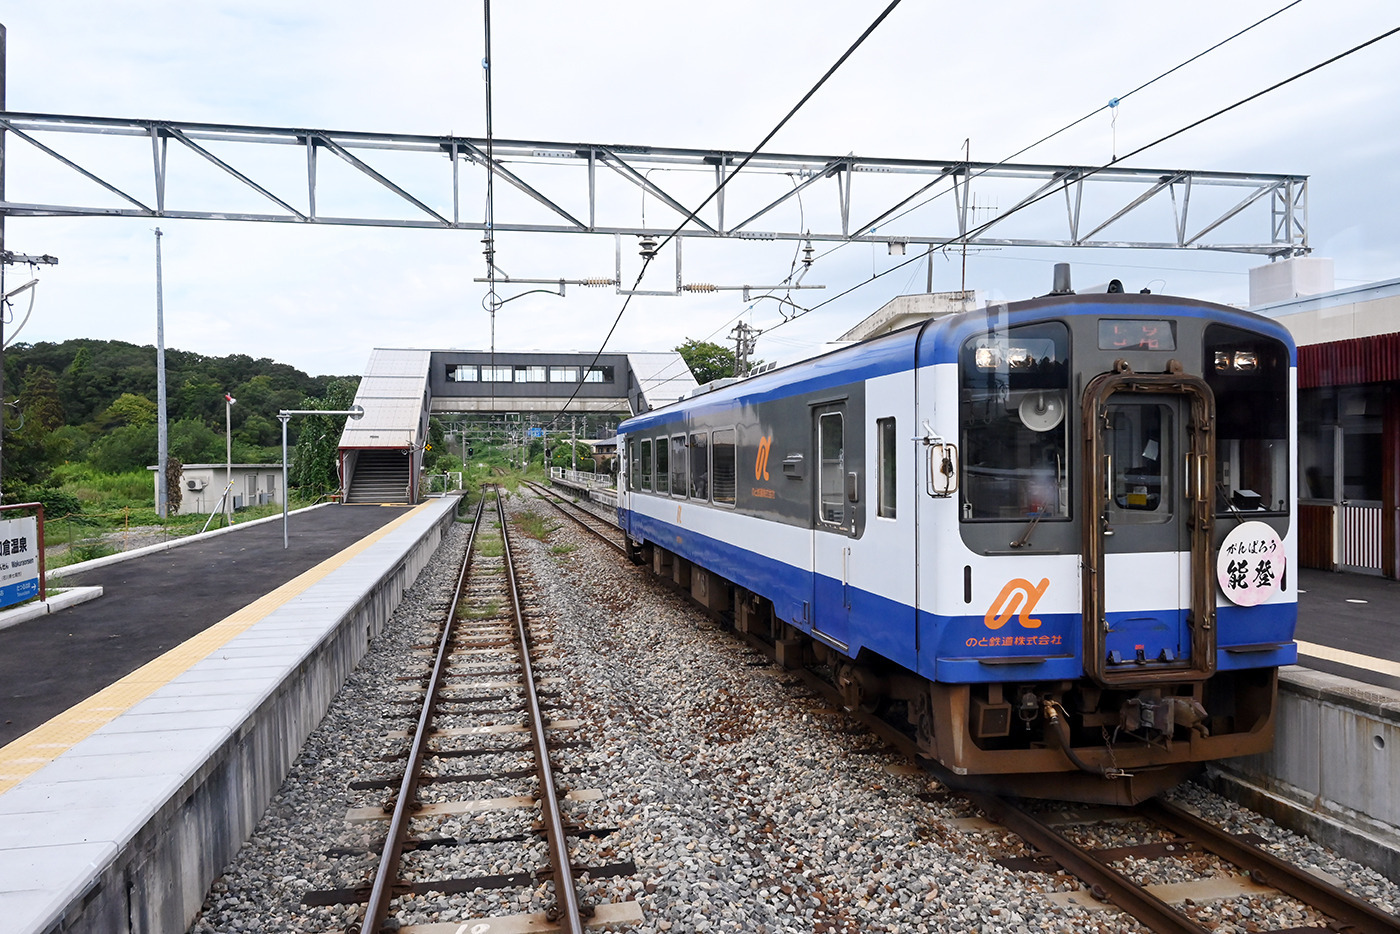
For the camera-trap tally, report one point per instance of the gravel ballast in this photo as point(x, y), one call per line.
point(746, 803)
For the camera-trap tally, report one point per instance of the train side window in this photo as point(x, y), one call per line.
point(663, 465)
point(700, 465)
point(633, 468)
point(885, 468)
point(831, 493)
point(723, 458)
point(679, 478)
point(645, 480)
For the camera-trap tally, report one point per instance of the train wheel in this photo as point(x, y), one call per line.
point(856, 693)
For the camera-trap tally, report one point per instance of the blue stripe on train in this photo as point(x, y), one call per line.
point(956, 649)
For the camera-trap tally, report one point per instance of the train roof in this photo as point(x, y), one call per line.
point(936, 340)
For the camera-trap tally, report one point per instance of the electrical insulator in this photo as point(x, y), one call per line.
point(647, 247)
point(596, 283)
point(807, 252)
point(699, 287)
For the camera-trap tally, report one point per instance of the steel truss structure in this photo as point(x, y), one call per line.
point(848, 198)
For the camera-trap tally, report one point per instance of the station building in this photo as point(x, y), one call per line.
point(1348, 412)
point(526, 394)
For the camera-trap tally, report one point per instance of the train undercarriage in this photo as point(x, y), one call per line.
point(1066, 739)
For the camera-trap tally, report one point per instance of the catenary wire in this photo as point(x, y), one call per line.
point(1113, 102)
point(1089, 172)
point(720, 187)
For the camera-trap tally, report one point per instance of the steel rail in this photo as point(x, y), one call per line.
point(1348, 912)
point(559, 503)
point(382, 891)
point(1101, 877)
point(565, 895)
point(1266, 869)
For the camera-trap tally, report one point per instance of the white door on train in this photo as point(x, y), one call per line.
point(831, 526)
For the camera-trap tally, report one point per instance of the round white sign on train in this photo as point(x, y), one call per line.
point(1250, 564)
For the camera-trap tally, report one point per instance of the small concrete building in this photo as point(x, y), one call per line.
point(201, 485)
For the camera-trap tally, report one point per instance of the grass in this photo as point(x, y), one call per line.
point(562, 549)
point(78, 553)
point(490, 547)
point(485, 611)
point(535, 525)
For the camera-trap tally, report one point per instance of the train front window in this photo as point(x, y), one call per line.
point(1248, 373)
point(1015, 437)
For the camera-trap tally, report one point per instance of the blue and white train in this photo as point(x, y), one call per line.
point(1055, 536)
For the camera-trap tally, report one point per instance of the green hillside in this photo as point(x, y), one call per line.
point(82, 408)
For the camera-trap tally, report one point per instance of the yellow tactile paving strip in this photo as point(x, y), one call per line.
point(46, 742)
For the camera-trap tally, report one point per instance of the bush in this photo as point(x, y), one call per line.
point(130, 447)
point(56, 502)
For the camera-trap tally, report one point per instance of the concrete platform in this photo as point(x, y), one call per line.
point(118, 812)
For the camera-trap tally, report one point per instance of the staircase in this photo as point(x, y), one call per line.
point(380, 477)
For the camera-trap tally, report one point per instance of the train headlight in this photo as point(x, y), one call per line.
point(1241, 361)
point(999, 356)
point(1018, 358)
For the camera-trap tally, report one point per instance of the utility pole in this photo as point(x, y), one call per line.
point(6, 259)
point(745, 340)
point(162, 433)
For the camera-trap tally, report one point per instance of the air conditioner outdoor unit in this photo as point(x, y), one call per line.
point(196, 484)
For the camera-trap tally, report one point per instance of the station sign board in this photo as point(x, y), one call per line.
point(19, 560)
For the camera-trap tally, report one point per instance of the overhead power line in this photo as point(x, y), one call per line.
point(1111, 103)
point(720, 187)
point(1107, 165)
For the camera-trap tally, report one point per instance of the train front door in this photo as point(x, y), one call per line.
point(1149, 599)
point(832, 522)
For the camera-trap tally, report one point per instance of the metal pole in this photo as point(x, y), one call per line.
point(162, 432)
point(2, 264)
point(573, 441)
point(283, 419)
point(228, 454)
point(355, 411)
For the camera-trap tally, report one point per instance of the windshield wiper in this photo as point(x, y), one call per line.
point(1025, 538)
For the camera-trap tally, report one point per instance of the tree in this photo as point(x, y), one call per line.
point(315, 466)
point(30, 444)
point(130, 447)
point(194, 442)
point(130, 409)
point(707, 361)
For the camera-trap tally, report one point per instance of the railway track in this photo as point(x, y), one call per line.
point(596, 525)
point(481, 694)
point(1118, 876)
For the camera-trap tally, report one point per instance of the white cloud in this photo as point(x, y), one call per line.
point(694, 75)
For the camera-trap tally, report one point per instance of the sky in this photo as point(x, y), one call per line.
point(934, 78)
